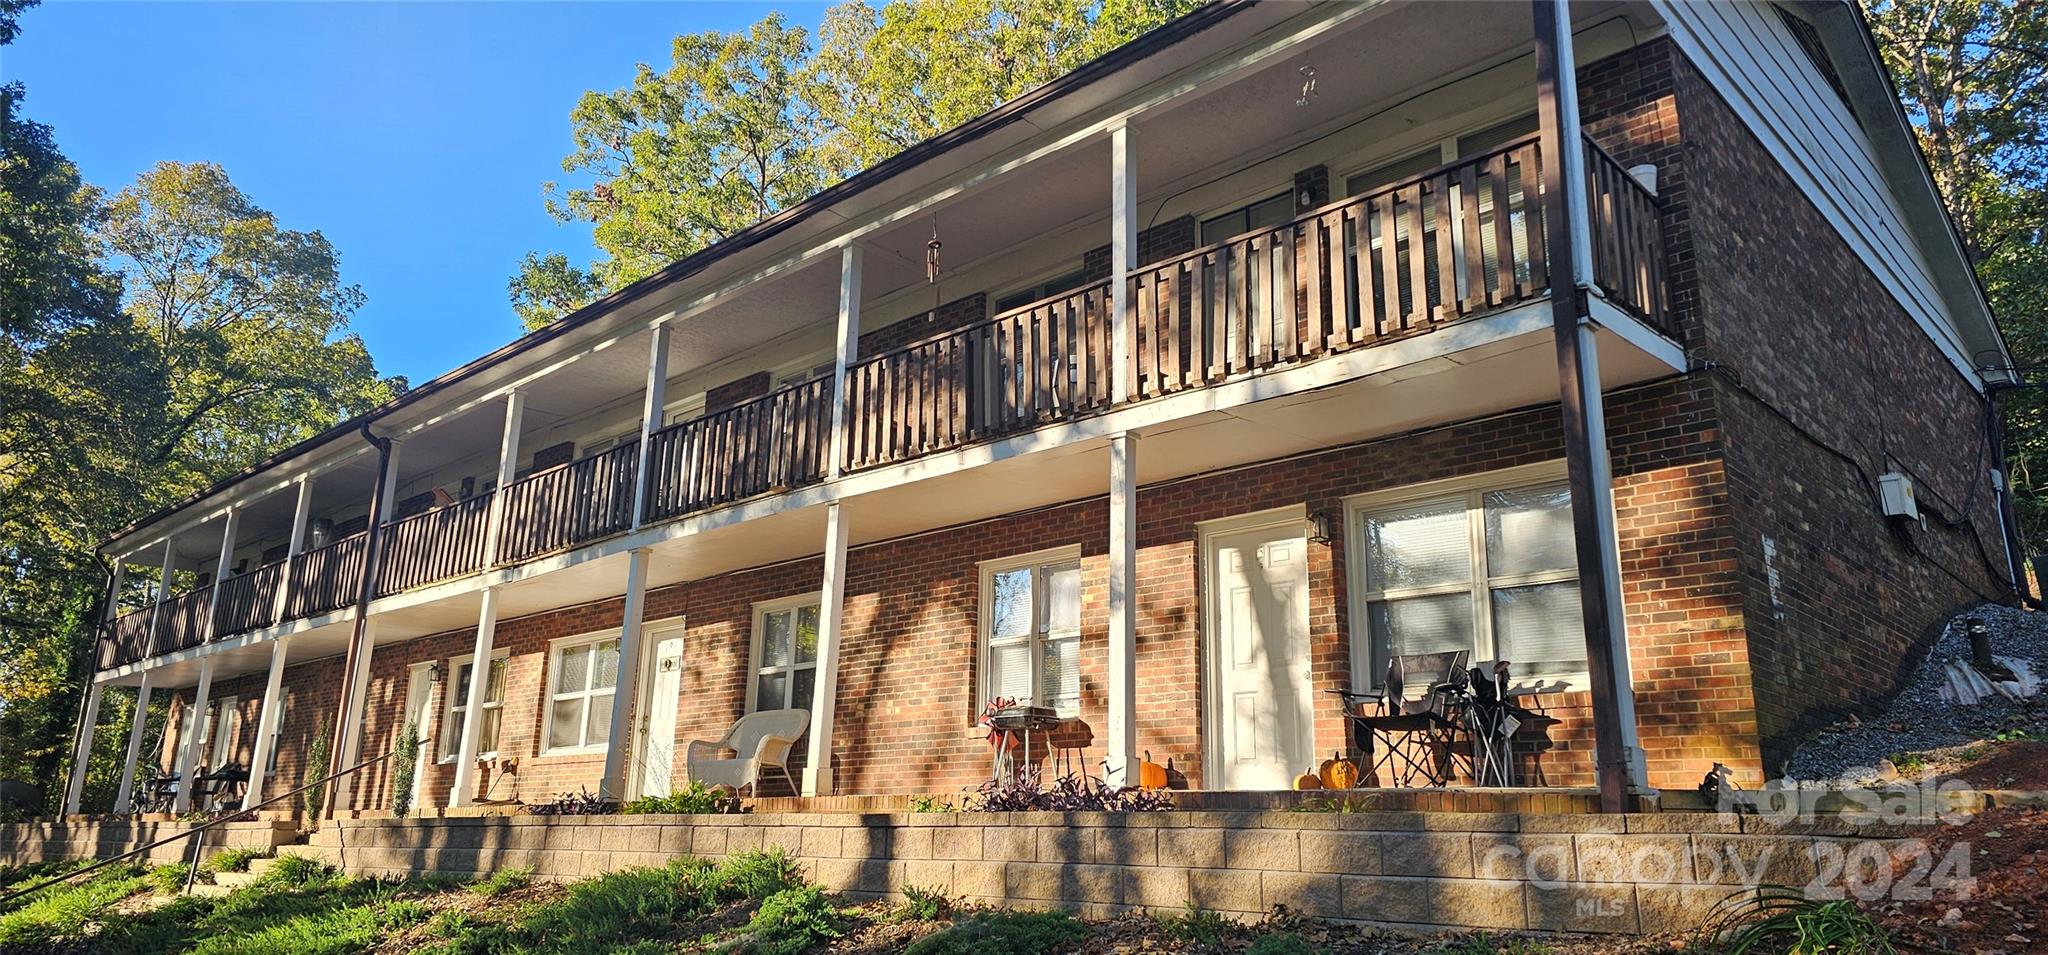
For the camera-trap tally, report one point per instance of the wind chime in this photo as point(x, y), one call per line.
point(931, 265)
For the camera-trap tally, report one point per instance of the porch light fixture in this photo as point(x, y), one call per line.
point(1308, 86)
point(1319, 527)
point(436, 673)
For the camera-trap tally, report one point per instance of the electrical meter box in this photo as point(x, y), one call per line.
point(1896, 491)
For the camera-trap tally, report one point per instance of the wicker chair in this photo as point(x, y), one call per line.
point(759, 741)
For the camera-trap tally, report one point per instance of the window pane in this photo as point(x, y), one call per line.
point(1393, 172)
point(572, 670)
point(770, 695)
point(803, 680)
point(1529, 530)
point(1539, 630)
point(565, 721)
point(451, 735)
point(1063, 674)
point(1063, 598)
point(607, 672)
point(1472, 144)
point(1271, 212)
point(1223, 227)
point(1010, 605)
point(1010, 670)
point(775, 643)
point(461, 682)
point(1419, 625)
point(487, 731)
point(1421, 545)
point(494, 687)
point(806, 634)
point(600, 718)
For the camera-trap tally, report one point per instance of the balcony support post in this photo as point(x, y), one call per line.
point(843, 357)
point(163, 593)
point(117, 576)
point(229, 525)
point(266, 729)
point(618, 751)
point(194, 742)
point(76, 789)
point(1123, 258)
point(302, 513)
point(348, 726)
point(650, 421)
point(831, 621)
point(1123, 610)
point(463, 792)
point(508, 469)
point(1617, 765)
point(124, 796)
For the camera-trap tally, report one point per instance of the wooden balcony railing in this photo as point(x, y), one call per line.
point(1044, 362)
point(774, 442)
point(184, 621)
point(439, 544)
point(327, 578)
point(569, 505)
point(125, 639)
point(1628, 239)
point(1400, 260)
point(248, 601)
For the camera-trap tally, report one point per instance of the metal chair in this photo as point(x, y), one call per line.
point(1405, 738)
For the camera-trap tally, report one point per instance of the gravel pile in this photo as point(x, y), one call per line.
point(1918, 719)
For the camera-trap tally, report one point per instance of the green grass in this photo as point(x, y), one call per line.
point(921, 904)
point(232, 860)
point(1002, 933)
point(1485, 944)
point(65, 911)
point(1283, 943)
point(503, 881)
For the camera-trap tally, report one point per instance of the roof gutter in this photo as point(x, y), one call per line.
point(1151, 42)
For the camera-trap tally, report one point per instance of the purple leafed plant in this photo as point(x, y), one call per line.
point(583, 802)
point(1068, 793)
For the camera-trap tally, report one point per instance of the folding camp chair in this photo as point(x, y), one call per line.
point(1404, 737)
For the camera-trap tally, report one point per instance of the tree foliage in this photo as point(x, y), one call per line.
point(1973, 76)
point(741, 125)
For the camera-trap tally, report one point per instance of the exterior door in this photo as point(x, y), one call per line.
point(1259, 609)
point(654, 746)
point(224, 724)
point(419, 694)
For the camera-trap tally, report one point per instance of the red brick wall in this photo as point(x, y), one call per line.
point(959, 313)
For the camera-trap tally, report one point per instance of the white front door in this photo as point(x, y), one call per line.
point(1259, 606)
point(419, 695)
point(224, 723)
point(654, 746)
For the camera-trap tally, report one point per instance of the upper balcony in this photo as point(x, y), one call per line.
point(1435, 264)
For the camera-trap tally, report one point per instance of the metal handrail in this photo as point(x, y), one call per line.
point(240, 815)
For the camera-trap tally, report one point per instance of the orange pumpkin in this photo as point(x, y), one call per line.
point(1151, 775)
point(1307, 781)
point(1339, 773)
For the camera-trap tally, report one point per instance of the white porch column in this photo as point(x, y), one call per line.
point(1123, 257)
point(126, 793)
point(508, 468)
point(302, 513)
point(825, 689)
point(1123, 609)
point(163, 593)
point(651, 406)
point(194, 742)
point(229, 525)
point(266, 725)
point(462, 793)
point(619, 746)
point(76, 789)
point(844, 356)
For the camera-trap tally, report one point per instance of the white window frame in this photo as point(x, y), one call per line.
point(1472, 490)
point(985, 617)
point(451, 742)
point(755, 670)
point(588, 693)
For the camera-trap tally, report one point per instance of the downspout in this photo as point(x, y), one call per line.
point(373, 553)
point(2008, 522)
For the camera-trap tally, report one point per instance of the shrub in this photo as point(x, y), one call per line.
point(753, 875)
point(503, 881)
point(292, 870)
point(583, 802)
point(789, 922)
point(1283, 943)
point(1338, 804)
point(168, 878)
point(922, 905)
point(695, 799)
point(1778, 918)
point(1069, 793)
point(1196, 925)
point(926, 803)
point(316, 767)
point(1002, 933)
point(232, 860)
point(405, 759)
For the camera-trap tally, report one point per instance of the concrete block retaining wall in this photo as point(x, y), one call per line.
point(90, 838)
point(1627, 873)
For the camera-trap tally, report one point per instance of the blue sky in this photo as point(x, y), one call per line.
point(415, 136)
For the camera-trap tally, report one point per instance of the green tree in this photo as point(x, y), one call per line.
point(744, 124)
point(1973, 76)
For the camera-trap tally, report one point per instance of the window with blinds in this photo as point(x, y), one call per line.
point(1492, 569)
point(785, 654)
point(1031, 630)
point(455, 711)
point(583, 676)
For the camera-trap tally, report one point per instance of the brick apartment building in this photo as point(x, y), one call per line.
point(1238, 375)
